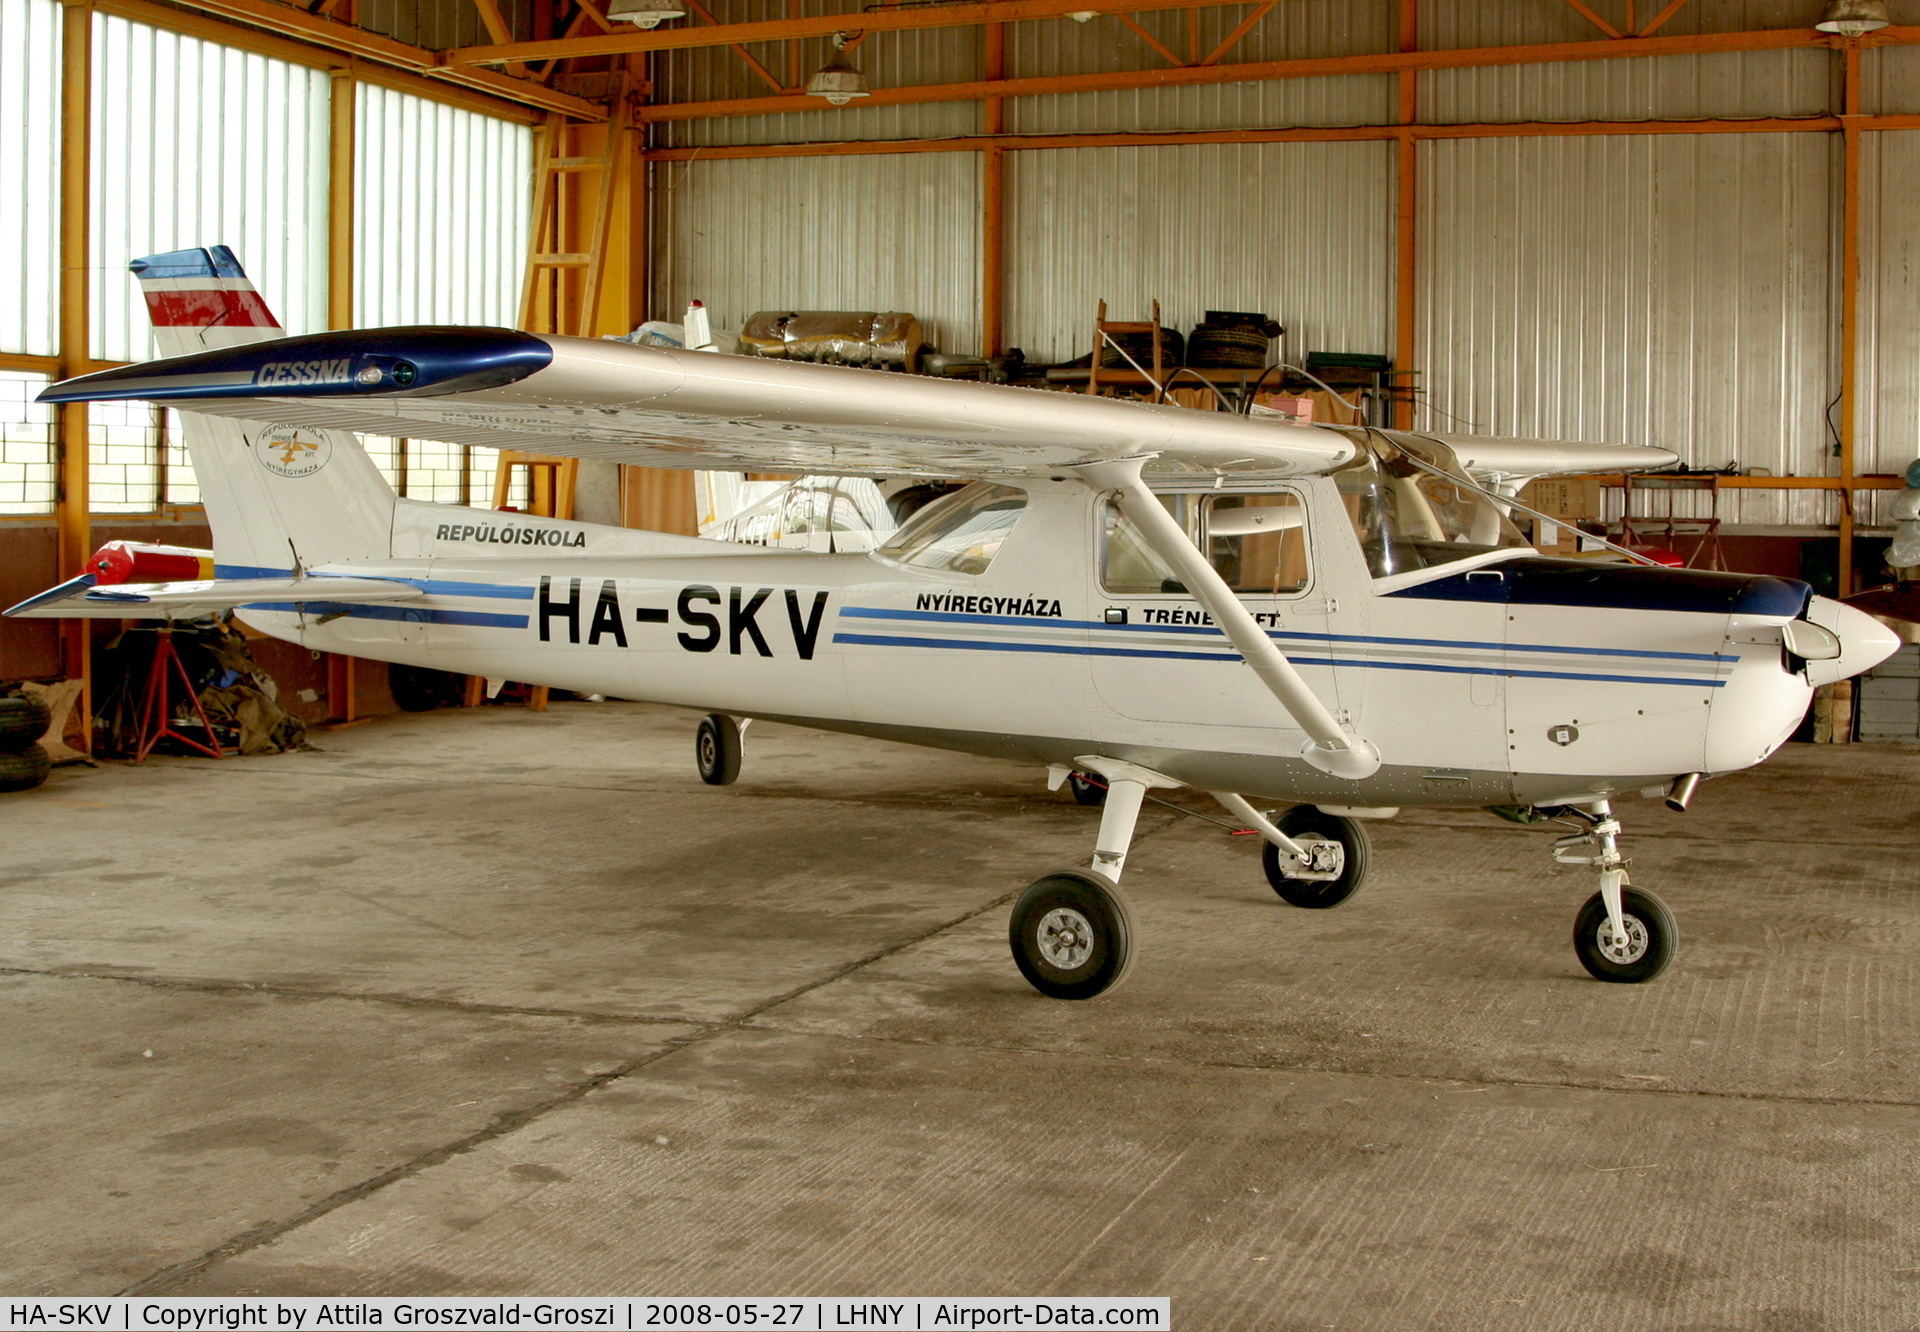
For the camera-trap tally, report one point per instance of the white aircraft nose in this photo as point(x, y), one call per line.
point(1859, 642)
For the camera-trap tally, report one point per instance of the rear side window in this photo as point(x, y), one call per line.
point(960, 533)
point(1257, 543)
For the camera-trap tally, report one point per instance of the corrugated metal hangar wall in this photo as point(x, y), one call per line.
point(1674, 288)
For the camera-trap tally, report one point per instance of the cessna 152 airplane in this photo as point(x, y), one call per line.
point(1133, 595)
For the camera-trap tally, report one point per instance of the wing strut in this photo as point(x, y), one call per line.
point(1329, 748)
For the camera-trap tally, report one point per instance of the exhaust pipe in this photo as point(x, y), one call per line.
point(1680, 794)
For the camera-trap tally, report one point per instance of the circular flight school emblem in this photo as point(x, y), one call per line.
point(292, 451)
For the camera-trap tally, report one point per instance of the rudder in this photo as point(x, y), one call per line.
point(278, 497)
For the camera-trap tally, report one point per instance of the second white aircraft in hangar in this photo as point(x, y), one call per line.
point(1145, 596)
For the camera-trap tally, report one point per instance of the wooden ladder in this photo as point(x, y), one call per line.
point(548, 265)
point(550, 481)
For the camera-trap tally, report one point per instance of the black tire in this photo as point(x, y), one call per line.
point(1089, 791)
point(24, 769)
point(1072, 934)
point(1652, 938)
point(421, 688)
point(716, 749)
point(23, 720)
point(1307, 821)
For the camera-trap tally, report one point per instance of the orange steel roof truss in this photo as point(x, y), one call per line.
point(522, 71)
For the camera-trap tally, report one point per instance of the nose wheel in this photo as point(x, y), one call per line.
point(1637, 952)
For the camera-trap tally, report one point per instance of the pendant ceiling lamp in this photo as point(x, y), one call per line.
point(1850, 18)
point(837, 80)
point(645, 13)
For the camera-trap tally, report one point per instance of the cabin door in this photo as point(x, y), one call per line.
point(1158, 656)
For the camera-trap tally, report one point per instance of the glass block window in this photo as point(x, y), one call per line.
point(483, 466)
point(425, 469)
point(27, 483)
point(387, 454)
point(123, 457)
point(437, 472)
point(177, 478)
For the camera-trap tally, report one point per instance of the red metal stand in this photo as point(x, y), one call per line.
point(156, 706)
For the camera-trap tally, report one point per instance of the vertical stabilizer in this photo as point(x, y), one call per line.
point(278, 497)
point(201, 299)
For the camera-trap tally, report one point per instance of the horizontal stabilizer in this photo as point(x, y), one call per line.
point(82, 598)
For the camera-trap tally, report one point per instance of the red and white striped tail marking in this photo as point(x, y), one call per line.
point(206, 302)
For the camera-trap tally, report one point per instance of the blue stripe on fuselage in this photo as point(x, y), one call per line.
point(1088, 650)
point(953, 617)
point(413, 614)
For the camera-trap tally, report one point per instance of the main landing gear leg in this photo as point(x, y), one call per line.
point(1622, 934)
point(1312, 858)
point(1072, 932)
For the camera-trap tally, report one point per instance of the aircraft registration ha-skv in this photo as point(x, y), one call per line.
point(1128, 595)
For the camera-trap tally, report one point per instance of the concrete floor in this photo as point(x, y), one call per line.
point(500, 1002)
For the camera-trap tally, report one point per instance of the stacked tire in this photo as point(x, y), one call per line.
point(23, 759)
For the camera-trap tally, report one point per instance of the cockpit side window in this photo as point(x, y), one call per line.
point(958, 533)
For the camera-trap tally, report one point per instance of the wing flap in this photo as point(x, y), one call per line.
point(82, 598)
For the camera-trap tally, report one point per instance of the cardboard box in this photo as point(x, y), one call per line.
point(1575, 497)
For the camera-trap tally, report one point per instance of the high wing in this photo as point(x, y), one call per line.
point(659, 407)
point(82, 598)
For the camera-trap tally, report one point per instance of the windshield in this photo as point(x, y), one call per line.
point(959, 533)
point(1409, 519)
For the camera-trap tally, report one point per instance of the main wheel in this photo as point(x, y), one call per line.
point(422, 689)
point(1087, 790)
point(1642, 955)
point(716, 748)
point(25, 769)
point(1072, 934)
point(1307, 824)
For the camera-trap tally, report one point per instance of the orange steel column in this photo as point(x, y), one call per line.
point(73, 509)
point(993, 212)
point(342, 105)
point(639, 203)
point(1406, 254)
point(1849, 300)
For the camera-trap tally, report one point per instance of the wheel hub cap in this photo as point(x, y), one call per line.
point(1622, 952)
point(1066, 938)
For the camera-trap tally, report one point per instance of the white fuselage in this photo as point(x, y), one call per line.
point(1473, 694)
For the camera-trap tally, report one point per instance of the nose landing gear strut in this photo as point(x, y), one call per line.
point(1622, 933)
